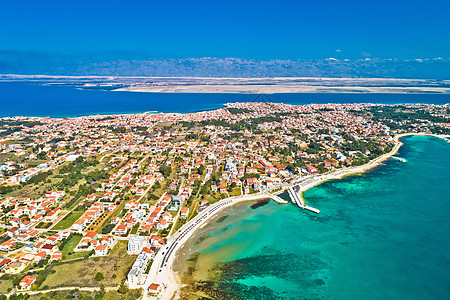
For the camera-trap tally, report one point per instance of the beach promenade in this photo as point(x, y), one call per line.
point(310, 181)
point(161, 271)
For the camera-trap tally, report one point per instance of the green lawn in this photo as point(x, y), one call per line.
point(66, 222)
point(119, 209)
point(236, 191)
point(70, 245)
point(211, 198)
point(82, 272)
point(134, 229)
point(179, 224)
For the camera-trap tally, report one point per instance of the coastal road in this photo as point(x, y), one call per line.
point(161, 271)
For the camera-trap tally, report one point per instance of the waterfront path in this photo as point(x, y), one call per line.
point(161, 271)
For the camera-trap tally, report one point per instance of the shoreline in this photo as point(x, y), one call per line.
point(100, 114)
point(165, 275)
point(255, 89)
point(339, 174)
point(170, 279)
point(146, 104)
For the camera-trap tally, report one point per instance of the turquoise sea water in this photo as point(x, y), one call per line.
point(382, 235)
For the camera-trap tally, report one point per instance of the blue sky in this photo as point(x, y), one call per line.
point(311, 29)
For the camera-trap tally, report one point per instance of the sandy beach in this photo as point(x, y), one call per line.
point(162, 270)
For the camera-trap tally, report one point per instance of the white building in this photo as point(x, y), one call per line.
point(135, 244)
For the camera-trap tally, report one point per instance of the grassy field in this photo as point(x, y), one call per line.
point(119, 209)
point(110, 295)
point(35, 191)
point(5, 283)
point(159, 192)
point(67, 222)
point(102, 221)
point(82, 272)
point(211, 198)
point(134, 230)
point(193, 211)
point(97, 224)
point(179, 224)
point(70, 245)
point(236, 191)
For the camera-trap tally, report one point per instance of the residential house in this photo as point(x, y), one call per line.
point(27, 282)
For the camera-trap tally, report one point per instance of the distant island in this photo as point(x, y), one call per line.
point(282, 85)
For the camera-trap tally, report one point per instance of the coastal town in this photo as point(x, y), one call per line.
point(97, 205)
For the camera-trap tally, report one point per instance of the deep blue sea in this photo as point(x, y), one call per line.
point(381, 235)
point(35, 99)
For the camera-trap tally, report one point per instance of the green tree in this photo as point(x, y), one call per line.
point(123, 289)
point(215, 176)
point(201, 170)
point(99, 276)
point(157, 185)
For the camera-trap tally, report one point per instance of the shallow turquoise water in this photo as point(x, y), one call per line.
point(382, 235)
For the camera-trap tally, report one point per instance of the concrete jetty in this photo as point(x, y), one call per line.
point(276, 198)
point(295, 195)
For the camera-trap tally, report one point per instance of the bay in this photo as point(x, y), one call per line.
point(380, 235)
